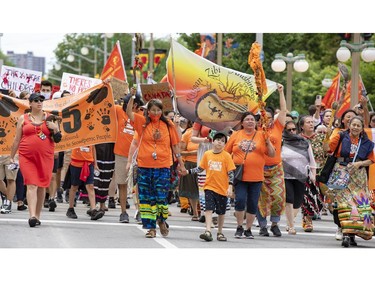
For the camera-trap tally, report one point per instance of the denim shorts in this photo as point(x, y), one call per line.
point(247, 196)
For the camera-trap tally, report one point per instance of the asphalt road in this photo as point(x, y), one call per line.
point(58, 231)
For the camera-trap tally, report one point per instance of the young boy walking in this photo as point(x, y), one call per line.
point(219, 168)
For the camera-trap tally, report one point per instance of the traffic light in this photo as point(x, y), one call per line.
point(345, 36)
point(367, 36)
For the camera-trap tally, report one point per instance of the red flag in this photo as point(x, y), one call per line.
point(346, 104)
point(332, 92)
point(115, 65)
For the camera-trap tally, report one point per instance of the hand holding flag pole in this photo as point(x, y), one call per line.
point(260, 82)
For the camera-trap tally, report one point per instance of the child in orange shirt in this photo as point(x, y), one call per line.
point(219, 168)
point(82, 166)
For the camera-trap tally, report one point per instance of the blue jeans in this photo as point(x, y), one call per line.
point(263, 221)
point(247, 195)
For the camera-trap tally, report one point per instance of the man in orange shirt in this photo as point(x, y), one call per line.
point(125, 134)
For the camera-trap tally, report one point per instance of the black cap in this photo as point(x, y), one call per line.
point(219, 135)
point(35, 96)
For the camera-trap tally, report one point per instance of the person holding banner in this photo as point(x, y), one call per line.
point(35, 145)
point(272, 194)
point(156, 142)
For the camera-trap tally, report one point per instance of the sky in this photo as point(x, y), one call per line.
point(41, 34)
point(41, 44)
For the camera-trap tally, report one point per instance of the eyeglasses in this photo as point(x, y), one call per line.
point(291, 129)
point(38, 100)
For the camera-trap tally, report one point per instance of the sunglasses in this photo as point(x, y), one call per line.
point(38, 100)
point(291, 129)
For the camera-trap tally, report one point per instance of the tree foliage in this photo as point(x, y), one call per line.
point(318, 48)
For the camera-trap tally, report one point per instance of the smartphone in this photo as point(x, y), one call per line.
point(318, 100)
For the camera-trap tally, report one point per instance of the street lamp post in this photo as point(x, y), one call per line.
point(368, 55)
point(85, 51)
point(59, 64)
point(327, 82)
point(281, 62)
point(106, 36)
point(71, 58)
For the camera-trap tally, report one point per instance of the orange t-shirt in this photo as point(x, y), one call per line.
point(275, 135)
point(162, 146)
point(82, 154)
point(125, 131)
point(255, 160)
point(190, 146)
point(217, 166)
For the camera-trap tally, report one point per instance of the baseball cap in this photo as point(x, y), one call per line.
point(294, 114)
point(35, 96)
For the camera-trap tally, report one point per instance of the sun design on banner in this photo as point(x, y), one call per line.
point(210, 94)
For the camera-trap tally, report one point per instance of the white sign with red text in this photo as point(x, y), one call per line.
point(19, 79)
point(76, 84)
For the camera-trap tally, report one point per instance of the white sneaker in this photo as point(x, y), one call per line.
point(7, 207)
point(338, 235)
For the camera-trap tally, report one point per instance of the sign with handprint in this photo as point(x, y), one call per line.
point(210, 94)
point(157, 91)
point(87, 119)
point(19, 79)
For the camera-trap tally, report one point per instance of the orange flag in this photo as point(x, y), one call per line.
point(346, 103)
point(332, 93)
point(87, 119)
point(115, 65)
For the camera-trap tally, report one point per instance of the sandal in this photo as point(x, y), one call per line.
point(221, 237)
point(292, 231)
point(206, 236)
point(195, 218)
point(151, 233)
point(164, 231)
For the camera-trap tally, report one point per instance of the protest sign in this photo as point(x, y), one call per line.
point(158, 91)
point(19, 79)
point(76, 84)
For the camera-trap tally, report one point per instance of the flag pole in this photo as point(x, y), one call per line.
point(174, 101)
point(364, 92)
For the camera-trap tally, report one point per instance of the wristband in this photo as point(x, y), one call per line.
point(178, 155)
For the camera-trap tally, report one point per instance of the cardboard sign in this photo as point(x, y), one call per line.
point(119, 88)
point(19, 79)
point(76, 84)
point(158, 91)
point(87, 119)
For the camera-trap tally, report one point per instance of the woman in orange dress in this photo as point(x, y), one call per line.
point(35, 145)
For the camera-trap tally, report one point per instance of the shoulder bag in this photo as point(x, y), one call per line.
point(238, 173)
point(329, 164)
